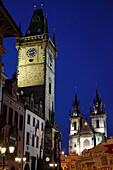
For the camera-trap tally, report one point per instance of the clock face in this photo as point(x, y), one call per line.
point(31, 52)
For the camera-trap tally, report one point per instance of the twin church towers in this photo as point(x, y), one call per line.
point(82, 135)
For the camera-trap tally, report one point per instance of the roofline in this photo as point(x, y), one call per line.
point(17, 31)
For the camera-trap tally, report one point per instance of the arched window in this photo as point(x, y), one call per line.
point(86, 143)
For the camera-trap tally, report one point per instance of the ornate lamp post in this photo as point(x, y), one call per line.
point(20, 161)
point(3, 151)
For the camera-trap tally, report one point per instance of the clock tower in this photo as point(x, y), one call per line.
point(36, 64)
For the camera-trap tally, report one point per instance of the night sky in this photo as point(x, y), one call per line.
point(84, 34)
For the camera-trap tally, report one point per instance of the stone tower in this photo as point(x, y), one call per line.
point(36, 64)
point(76, 122)
point(98, 117)
point(82, 135)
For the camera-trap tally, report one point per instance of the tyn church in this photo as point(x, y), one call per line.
point(82, 135)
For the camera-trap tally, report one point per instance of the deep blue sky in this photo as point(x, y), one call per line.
point(84, 33)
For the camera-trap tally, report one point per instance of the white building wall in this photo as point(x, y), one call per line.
point(72, 120)
point(102, 124)
point(34, 151)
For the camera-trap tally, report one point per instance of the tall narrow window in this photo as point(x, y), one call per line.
point(5, 112)
point(37, 142)
point(33, 121)
point(42, 127)
point(97, 124)
point(21, 122)
point(49, 88)
point(27, 138)
point(74, 125)
point(37, 125)
point(28, 119)
point(10, 116)
point(16, 119)
point(33, 140)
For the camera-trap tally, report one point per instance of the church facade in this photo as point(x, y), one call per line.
point(82, 135)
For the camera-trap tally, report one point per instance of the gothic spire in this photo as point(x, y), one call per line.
point(20, 27)
point(38, 24)
point(90, 109)
point(69, 111)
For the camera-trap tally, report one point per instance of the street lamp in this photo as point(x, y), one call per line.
point(20, 161)
point(3, 151)
point(53, 165)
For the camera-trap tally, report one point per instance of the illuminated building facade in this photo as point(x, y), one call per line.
point(82, 135)
point(12, 121)
point(33, 136)
point(36, 79)
point(36, 63)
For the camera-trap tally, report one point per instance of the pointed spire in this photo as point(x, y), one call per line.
point(85, 121)
point(97, 97)
point(69, 112)
point(46, 30)
point(20, 25)
point(82, 111)
point(90, 109)
point(75, 97)
point(104, 109)
point(38, 24)
point(54, 40)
